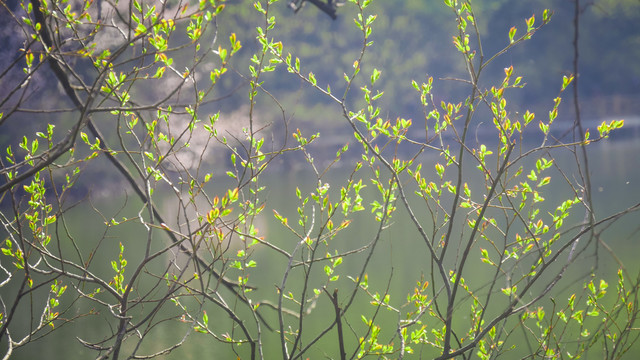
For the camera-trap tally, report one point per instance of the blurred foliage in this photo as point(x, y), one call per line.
point(412, 42)
point(409, 46)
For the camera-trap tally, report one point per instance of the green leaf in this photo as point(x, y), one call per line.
point(512, 34)
point(375, 76)
point(544, 181)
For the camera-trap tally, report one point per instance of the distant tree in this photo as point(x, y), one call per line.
point(143, 187)
point(329, 7)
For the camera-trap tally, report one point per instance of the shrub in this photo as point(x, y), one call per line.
point(164, 200)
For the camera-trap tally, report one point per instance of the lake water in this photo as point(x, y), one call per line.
point(615, 171)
